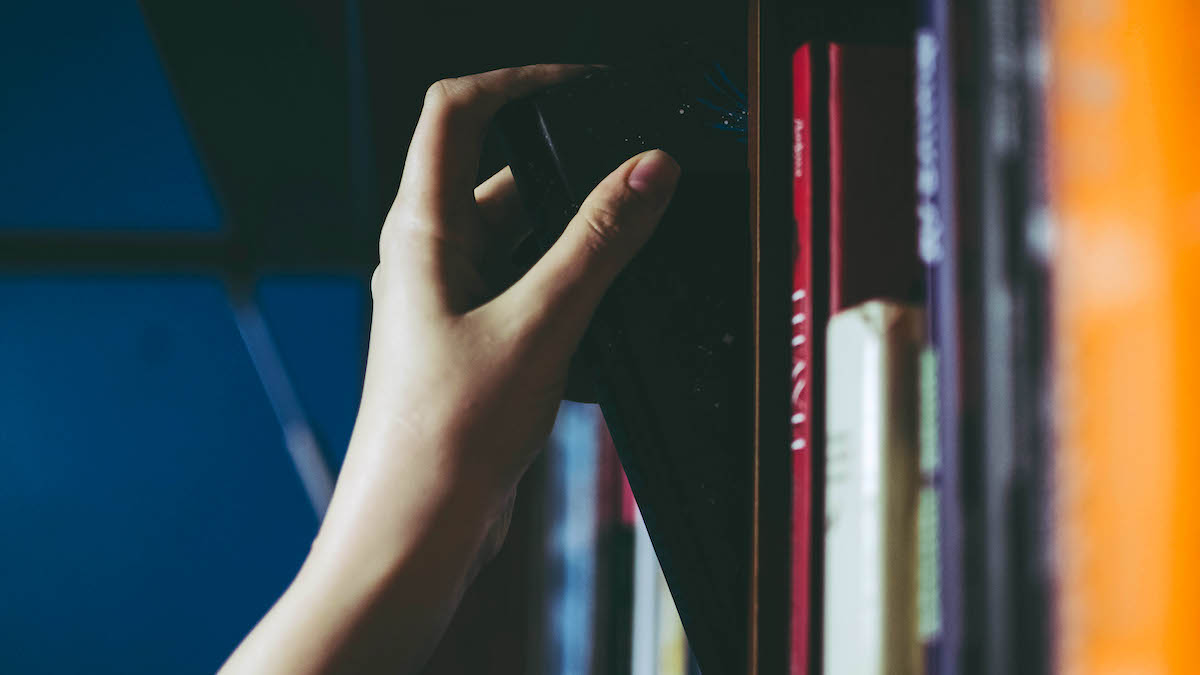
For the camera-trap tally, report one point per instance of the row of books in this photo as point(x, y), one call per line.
point(995, 281)
point(577, 587)
point(607, 607)
point(856, 288)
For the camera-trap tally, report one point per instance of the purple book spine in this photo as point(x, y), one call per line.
point(937, 242)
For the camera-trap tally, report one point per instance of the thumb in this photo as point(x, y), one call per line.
point(562, 289)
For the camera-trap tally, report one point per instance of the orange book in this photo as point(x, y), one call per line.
point(1125, 172)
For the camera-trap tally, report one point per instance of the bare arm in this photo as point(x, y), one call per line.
point(460, 391)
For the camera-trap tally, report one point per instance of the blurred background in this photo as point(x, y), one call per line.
point(190, 198)
point(180, 284)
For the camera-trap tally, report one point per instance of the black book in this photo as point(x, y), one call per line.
point(670, 344)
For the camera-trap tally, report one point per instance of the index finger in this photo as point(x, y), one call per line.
point(443, 158)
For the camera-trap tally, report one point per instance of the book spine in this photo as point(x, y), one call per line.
point(659, 644)
point(1125, 182)
point(644, 630)
point(937, 242)
point(572, 497)
point(1004, 409)
point(1017, 27)
point(837, 178)
point(613, 613)
point(802, 357)
point(871, 490)
point(872, 202)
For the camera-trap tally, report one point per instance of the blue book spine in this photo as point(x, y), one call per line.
point(573, 468)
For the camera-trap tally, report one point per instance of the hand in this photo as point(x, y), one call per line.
point(461, 387)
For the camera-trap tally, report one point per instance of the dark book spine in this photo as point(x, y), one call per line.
point(872, 221)
point(1034, 551)
point(1016, 287)
point(1003, 246)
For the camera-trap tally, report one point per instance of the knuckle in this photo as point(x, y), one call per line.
point(603, 224)
point(438, 94)
point(448, 97)
point(396, 235)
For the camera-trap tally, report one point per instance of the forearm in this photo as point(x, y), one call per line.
point(363, 602)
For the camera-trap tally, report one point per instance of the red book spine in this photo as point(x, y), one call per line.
point(802, 353)
point(615, 508)
point(836, 185)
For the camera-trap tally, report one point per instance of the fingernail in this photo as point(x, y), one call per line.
point(655, 175)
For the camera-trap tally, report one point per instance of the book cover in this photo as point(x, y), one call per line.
point(1125, 183)
point(872, 485)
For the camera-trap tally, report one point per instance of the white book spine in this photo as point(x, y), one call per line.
point(871, 487)
point(644, 645)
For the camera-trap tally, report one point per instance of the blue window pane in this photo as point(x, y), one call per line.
point(90, 134)
point(318, 325)
point(151, 513)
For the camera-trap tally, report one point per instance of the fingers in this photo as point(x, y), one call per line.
point(443, 158)
point(504, 219)
point(504, 225)
point(560, 293)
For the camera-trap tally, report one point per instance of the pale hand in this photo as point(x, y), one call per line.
point(461, 389)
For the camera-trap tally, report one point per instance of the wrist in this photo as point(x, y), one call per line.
point(398, 497)
point(449, 466)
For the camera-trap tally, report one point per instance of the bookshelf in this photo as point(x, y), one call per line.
point(1054, 406)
